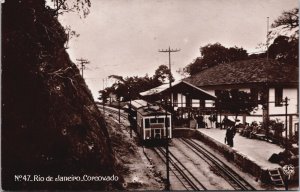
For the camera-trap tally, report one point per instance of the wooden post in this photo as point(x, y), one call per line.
point(290, 126)
point(244, 119)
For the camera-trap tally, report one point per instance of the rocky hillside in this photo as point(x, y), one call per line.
point(50, 123)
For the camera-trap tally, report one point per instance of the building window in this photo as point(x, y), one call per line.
point(188, 101)
point(278, 96)
point(209, 103)
point(202, 103)
point(296, 128)
point(175, 99)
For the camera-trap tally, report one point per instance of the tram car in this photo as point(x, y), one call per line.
point(149, 120)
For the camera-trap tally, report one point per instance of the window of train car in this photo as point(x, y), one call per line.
point(160, 120)
point(157, 120)
point(153, 120)
point(147, 123)
point(168, 121)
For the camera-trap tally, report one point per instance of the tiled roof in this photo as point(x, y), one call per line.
point(244, 72)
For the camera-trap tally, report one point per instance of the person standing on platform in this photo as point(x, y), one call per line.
point(230, 133)
point(225, 122)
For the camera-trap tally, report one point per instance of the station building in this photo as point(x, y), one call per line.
point(196, 95)
point(188, 103)
point(263, 78)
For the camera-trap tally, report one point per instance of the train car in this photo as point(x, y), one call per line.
point(150, 121)
point(132, 108)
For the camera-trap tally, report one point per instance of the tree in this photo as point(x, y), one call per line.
point(235, 54)
point(63, 6)
point(235, 102)
point(162, 74)
point(214, 54)
point(289, 18)
point(285, 50)
point(70, 34)
point(130, 87)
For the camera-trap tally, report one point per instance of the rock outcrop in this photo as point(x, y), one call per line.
point(50, 123)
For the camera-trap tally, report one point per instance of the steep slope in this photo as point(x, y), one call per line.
point(50, 123)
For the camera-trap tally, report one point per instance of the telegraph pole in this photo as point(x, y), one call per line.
point(267, 38)
point(169, 51)
point(103, 102)
point(129, 92)
point(82, 62)
point(166, 124)
point(286, 126)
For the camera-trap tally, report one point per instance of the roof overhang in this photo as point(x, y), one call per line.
point(183, 87)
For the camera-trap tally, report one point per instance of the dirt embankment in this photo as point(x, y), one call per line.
point(132, 164)
point(50, 123)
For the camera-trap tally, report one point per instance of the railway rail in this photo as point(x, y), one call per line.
point(186, 178)
point(233, 178)
point(113, 111)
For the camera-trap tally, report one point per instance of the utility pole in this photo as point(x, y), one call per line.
point(119, 110)
point(286, 126)
point(166, 124)
point(103, 102)
point(129, 92)
point(267, 38)
point(169, 51)
point(82, 62)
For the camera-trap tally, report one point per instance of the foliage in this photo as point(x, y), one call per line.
point(235, 102)
point(70, 34)
point(162, 74)
point(63, 6)
point(214, 54)
point(289, 18)
point(285, 50)
point(130, 87)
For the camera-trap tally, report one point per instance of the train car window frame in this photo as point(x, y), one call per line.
point(153, 120)
point(160, 120)
point(147, 123)
point(168, 121)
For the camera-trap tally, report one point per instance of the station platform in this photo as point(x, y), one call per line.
point(251, 155)
point(255, 150)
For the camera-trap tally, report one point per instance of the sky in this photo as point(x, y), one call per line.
point(123, 37)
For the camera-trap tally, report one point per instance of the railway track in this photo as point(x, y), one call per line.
point(234, 179)
point(113, 111)
point(186, 178)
